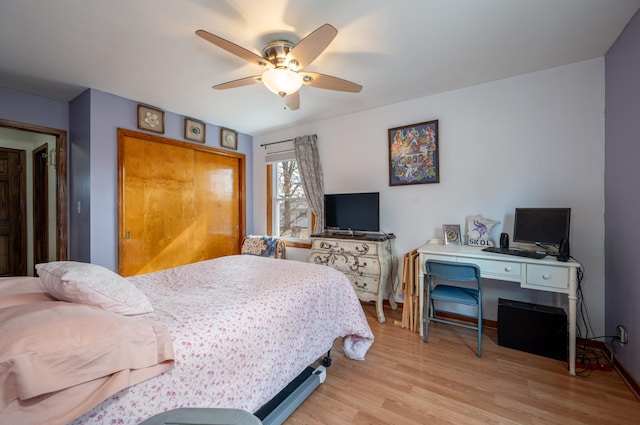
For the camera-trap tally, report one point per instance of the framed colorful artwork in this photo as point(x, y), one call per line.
point(413, 154)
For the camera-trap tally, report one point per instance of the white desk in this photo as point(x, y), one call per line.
point(547, 274)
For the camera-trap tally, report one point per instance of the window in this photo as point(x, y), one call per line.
point(289, 216)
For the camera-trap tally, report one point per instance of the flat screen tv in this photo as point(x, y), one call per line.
point(541, 226)
point(359, 212)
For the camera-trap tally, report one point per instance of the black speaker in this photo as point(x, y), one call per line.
point(563, 250)
point(504, 240)
point(534, 328)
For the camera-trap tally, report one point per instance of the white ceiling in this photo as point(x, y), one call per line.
point(147, 50)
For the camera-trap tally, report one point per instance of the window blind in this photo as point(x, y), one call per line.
point(280, 151)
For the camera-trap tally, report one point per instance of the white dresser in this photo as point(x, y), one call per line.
point(368, 260)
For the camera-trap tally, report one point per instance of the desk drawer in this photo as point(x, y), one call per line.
point(505, 270)
point(547, 278)
point(438, 257)
point(502, 269)
point(426, 257)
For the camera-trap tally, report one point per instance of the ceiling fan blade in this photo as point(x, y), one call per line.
point(239, 83)
point(312, 45)
point(321, 81)
point(233, 48)
point(292, 100)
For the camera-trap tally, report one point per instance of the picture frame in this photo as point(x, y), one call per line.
point(452, 235)
point(150, 119)
point(413, 154)
point(229, 138)
point(195, 130)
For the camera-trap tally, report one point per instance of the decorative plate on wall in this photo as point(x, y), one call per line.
point(150, 119)
point(194, 130)
point(228, 138)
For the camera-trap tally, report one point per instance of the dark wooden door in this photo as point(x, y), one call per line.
point(179, 203)
point(13, 245)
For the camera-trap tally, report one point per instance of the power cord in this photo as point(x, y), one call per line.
point(589, 356)
point(585, 354)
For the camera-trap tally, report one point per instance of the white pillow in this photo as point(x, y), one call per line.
point(91, 284)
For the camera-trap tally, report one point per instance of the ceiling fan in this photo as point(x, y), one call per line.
point(284, 62)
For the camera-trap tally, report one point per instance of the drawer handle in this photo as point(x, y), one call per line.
point(546, 276)
point(361, 286)
point(507, 269)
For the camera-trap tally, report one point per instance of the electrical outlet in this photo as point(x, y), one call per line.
point(621, 334)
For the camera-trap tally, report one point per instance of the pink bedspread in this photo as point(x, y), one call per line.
point(59, 359)
point(243, 327)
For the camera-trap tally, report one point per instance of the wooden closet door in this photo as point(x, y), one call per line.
point(179, 203)
point(217, 216)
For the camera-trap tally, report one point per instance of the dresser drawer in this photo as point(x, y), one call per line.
point(348, 264)
point(364, 285)
point(547, 278)
point(345, 247)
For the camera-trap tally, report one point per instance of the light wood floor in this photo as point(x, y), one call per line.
point(404, 381)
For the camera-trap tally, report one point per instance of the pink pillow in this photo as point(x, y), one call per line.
point(50, 346)
point(91, 284)
point(22, 290)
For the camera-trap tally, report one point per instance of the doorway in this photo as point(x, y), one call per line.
point(50, 162)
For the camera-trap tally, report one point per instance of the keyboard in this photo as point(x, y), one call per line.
point(516, 252)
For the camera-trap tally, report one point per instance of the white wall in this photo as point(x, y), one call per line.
point(535, 140)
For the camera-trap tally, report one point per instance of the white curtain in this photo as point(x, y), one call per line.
point(311, 173)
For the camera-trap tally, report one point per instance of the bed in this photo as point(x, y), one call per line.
point(240, 329)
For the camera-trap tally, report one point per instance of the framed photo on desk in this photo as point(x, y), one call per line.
point(452, 234)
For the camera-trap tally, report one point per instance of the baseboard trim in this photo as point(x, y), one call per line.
point(621, 369)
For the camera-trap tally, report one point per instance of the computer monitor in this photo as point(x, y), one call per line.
point(541, 226)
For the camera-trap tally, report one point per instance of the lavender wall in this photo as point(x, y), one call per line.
point(92, 120)
point(80, 178)
point(33, 109)
point(622, 203)
point(108, 113)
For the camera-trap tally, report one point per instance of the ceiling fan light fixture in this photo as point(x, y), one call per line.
point(293, 65)
point(282, 81)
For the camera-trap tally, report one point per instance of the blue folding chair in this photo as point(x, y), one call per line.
point(452, 272)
